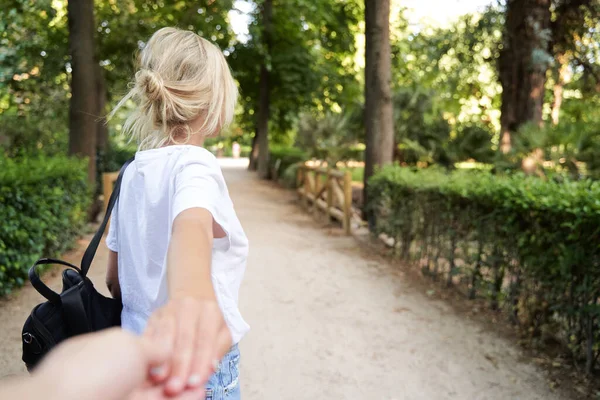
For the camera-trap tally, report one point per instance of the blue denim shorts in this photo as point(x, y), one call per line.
point(225, 383)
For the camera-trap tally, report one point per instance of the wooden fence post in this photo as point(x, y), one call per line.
point(299, 177)
point(329, 184)
point(108, 181)
point(347, 202)
point(106, 188)
point(306, 189)
point(317, 190)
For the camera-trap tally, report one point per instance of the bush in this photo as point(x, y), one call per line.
point(282, 158)
point(245, 151)
point(529, 246)
point(288, 178)
point(331, 137)
point(114, 158)
point(43, 207)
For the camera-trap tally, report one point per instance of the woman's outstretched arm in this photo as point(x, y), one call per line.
point(200, 335)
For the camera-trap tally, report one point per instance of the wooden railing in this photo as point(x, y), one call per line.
point(327, 190)
point(108, 183)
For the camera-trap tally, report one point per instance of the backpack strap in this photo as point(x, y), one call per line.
point(40, 286)
point(90, 252)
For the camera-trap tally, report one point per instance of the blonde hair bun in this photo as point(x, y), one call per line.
point(151, 83)
point(181, 77)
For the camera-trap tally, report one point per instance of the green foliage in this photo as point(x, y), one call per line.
point(289, 178)
point(358, 174)
point(115, 157)
point(310, 61)
point(446, 95)
point(43, 206)
point(528, 245)
point(472, 142)
point(455, 65)
point(35, 66)
point(124, 26)
point(33, 77)
point(283, 157)
point(420, 128)
point(567, 149)
point(331, 137)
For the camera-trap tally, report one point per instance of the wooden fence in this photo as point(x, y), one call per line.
point(108, 183)
point(327, 190)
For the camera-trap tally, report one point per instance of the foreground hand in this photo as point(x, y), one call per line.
point(108, 365)
point(197, 332)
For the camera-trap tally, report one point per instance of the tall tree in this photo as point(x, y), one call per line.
point(84, 94)
point(101, 127)
point(378, 98)
point(571, 23)
point(310, 60)
point(262, 131)
point(523, 63)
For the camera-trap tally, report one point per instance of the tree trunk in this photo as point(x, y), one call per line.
point(523, 64)
point(378, 99)
point(101, 127)
point(83, 108)
point(264, 96)
point(568, 14)
point(252, 165)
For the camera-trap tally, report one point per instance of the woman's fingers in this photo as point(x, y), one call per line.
point(204, 357)
point(192, 334)
point(212, 344)
point(187, 311)
point(159, 342)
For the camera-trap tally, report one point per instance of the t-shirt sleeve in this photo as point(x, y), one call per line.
point(111, 239)
point(200, 184)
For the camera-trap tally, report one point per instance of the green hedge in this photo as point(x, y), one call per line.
point(281, 158)
point(531, 247)
point(43, 207)
point(113, 159)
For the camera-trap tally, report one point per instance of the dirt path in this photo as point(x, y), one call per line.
point(329, 322)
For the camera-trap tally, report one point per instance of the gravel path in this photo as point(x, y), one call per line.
point(328, 321)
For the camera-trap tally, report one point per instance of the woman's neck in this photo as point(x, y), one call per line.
point(193, 140)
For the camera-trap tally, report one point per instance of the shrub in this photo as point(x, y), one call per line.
point(114, 158)
point(245, 151)
point(43, 207)
point(289, 177)
point(529, 246)
point(331, 137)
point(282, 158)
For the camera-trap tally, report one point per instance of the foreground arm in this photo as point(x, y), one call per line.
point(81, 368)
point(200, 335)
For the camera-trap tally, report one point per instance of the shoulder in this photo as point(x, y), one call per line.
point(196, 158)
point(197, 155)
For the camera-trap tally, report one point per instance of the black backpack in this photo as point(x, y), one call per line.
point(78, 309)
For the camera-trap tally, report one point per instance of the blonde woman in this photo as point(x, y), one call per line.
point(177, 249)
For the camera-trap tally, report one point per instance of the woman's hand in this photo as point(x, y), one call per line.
point(197, 332)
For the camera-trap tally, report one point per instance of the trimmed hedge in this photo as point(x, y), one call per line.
point(113, 159)
point(43, 208)
point(285, 157)
point(529, 246)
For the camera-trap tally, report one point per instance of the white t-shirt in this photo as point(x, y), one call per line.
point(156, 187)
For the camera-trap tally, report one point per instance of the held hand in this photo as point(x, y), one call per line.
point(82, 366)
point(199, 336)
